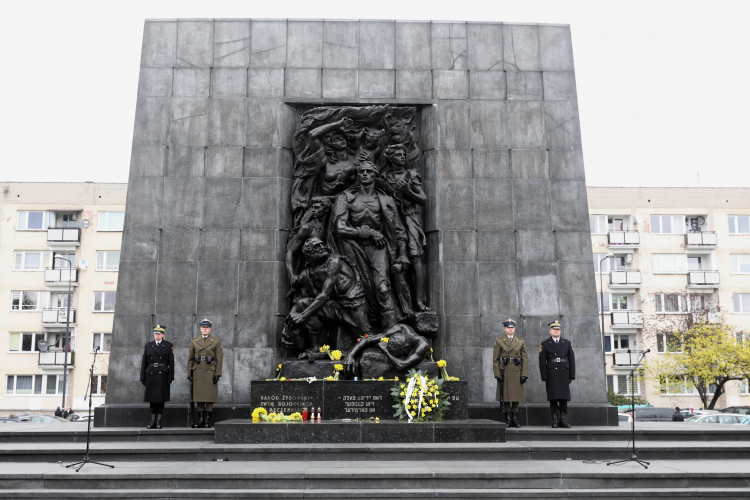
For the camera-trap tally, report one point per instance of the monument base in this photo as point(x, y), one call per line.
point(538, 414)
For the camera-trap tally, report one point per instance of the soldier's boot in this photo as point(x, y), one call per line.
point(554, 420)
point(208, 419)
point(152, 425)
point(196, 416)
point(564, 420)
point(202, 423)
point(509, 418)
point(158, 421)
point(515, 420)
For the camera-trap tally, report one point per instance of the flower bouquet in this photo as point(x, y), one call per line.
point(420, 398)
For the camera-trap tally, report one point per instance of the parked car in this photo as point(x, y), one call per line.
point(653, 414)
point(623, 408)
point(6, 420)
point(40, 419)
point(745, 420)
point(716, 418)
point(624, 417)
point(82, 418)
point(742, 410)
point(687, 413)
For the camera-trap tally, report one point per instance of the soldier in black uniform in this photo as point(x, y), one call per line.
point(557, 364)
point(157, 373)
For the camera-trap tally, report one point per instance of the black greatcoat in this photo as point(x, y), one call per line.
point(157, 378)
point(556, 374)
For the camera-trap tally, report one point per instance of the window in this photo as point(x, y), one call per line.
point(619, 343)
point(598, 224)
point(107, 261)
point(104, 301)
point(66, 219)
point(667, 224)
point(59, 301)
point(619, 302)
point(32, 221)
point(741, 302)
point(29, 301)
point(745, 386)
point(622, 384)
point(740, 262)
point(608, 264)
point(615, 224)
point(694, 263)
point(56, 341)
point(99, 385)
point(103, 341)
point(54, 384)
point(31, 260)
point(24, 342)
point(676, 385)
point(739, 224)
point(665, 263)
point(63, 260)
point(667, 342)
point(24, 384)
point(111, 221)
point(676, 303)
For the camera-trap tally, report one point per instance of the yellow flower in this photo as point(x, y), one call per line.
point(437, 392)
point(413, 414)
point(413, 401)
point(330, 378)
point(338, 367)
point(403, 385)
point(433, 405)
point(282, 378)
point(429, 408)
point(325, 348)
point(257, 414)
point(336, 355)
point(442, 363)
point(396, 379)
point(380, 379)
point(384, 339)
point(452, 378)
point(402, 393)
point(279, 368)
point(431, 349)
point(295, 416)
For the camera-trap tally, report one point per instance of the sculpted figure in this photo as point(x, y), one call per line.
point(369, 147)
point(405, 349)
point(313, 226)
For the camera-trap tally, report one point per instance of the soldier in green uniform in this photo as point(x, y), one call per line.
point(511, 367)
point(205, 359)
point(157, 373)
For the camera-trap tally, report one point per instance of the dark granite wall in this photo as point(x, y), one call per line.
point(208, 197)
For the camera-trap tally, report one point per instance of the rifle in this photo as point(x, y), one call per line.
point(191, 406)
point(503, 418)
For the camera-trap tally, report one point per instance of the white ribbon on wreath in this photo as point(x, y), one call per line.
point(410, 390)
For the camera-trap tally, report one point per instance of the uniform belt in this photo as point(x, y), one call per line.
point(157, 365)
point(507, 361)
point(207, 359)
point(557, 360)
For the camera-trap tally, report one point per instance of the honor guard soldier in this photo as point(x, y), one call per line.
point(511, 367)
point(205, 360)
point(157, 372)
point(557, 364)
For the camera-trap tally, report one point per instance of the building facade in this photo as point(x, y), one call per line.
point(57, 240)
point(674, 250)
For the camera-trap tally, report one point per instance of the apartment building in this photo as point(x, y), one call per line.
point(57, 240)
point(672, 250)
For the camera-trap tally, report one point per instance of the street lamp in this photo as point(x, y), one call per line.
point(601, 306)
point(67, 332)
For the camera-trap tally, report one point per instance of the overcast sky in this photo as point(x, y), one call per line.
point(663, 86)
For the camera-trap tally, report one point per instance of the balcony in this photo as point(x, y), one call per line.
point(63, 238)
point(624, 239)
point(625, 280)
point(700, 241)
point(56, 358)
point(626, 321)
point(56, 279)
point(57, 316)
point(702, 280)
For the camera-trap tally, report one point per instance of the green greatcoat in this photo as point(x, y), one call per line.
point(512, 373)
point(204, 389)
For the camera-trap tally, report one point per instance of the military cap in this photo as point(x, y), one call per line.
point(509, 322)
point(160, 328)
point(206, 322)
point(555, 324)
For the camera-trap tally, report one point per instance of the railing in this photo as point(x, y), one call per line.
point(56, 358)
point(624, 238)
point(703, 278)
point(64, 234)
point(57, 315)
point(625, 318)
point(700, 238)
point(625, 277)
point(61, 275)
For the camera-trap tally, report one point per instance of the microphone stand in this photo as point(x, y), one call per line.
point(86, 459)
point(633, 456)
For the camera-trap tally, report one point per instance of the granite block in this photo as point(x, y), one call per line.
point(302, 82)
point(176, 287)
point(461, 290)
point(448, 164)
point(181, 329)
point(416, 84)
point(340, 83)
point(263, 82)
point(304, 44)
point(213, 276)
point(260, 203)
point(229, 82)
point(139, 244)
point(223, 201)
point(457, 367)
point(453, 122)
point(492, 329)
point(524, 85)
point(260, 244)
point(530, 164)
point(377, 45)
point(489, 124)
point(340, 44)
point(151, 121)
point(257, 291)
point(498, 288)
point(147, 161)
point(536, 329)
point(122, 373)
point(268, 123)
point(267, 162)
point(526, 125)
point(490, 384)
point(450, 84)
point(144, 202)
point(250, 364)
point(136, 287)
point(227, 373)
point(485, 46)
point(256, 332)
point(188, 121)
point(561, 124)
point(588, 387)
point(573, 246)
point(459, 196)
point(577, 288)
point(449, 46)
point(487, 85)
point(535, 246)
point(192, 82)
point(494, 205)
point(566, 165)
point(459, 246)
point(583, 331)
point(155, 82)
point(220, 244)
point(435, 286)
point(183, 202)
point(531, 205)
point(538, 288)
point(159, 44)
point(413, 45)
point(195, 44)
point(185, 161)
point(496, 246)
point(555, 48)
point(559, 85)
point(224, 162)
point(487, 433)
point(520, 47)
point(179, 244)
point(378, 83)
point(429, 130)
point(231, 44)
point(267, 44)
point(571, 208)
point(491, 164)
point(460, 331)
point(133, 330)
